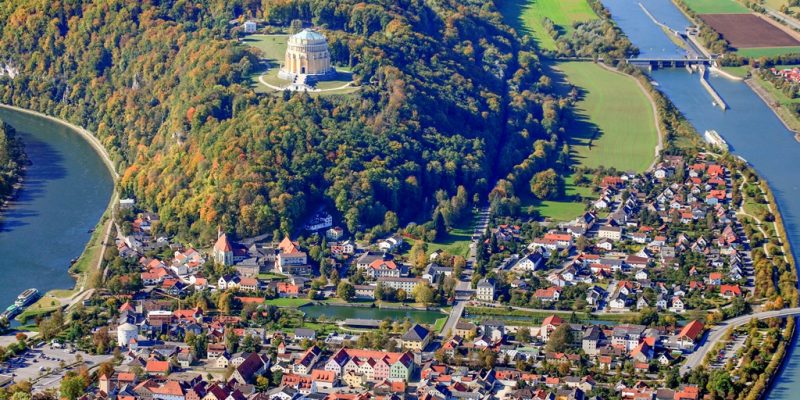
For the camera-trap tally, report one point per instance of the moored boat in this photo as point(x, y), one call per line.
point(26, 297)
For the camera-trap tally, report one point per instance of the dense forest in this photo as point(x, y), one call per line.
point(450, 99)
point(12, 160)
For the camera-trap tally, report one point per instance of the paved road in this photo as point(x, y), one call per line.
point(782, 17)
point(452, 320)
point(716, 333)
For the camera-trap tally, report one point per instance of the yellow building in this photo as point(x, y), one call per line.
point(417, 338)
point(353, 379)
point(307, 54)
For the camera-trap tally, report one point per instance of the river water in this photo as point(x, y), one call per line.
point(749, 126)
point(65, 192)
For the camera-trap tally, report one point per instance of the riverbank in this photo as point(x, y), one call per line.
point(14, 170)
point(92, 254)
point(83, 132)
point(783, 114)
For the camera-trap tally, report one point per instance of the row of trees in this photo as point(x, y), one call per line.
point(12, 159)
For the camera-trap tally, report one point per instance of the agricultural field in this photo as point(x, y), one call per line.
point(528, 16)
point(757, 52)
point(748, 30)
point(716, 6)
point(614, 125)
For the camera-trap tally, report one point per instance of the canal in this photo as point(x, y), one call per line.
point(67, 187)
point(749, 126)
point(338, 313)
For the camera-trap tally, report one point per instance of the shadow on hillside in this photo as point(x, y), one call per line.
point(582, 132)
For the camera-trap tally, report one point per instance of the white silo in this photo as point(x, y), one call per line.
point(125, 333)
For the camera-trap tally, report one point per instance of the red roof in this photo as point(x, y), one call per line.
point(155, 366)
point(730, 290)
point(692, 330)
point(126, 307)
point(554, 320)
point(223, 244)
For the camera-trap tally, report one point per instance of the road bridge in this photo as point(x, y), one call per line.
point(455, 315)
point(716, 333)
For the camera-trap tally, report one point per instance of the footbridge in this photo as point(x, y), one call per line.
point(716, 333)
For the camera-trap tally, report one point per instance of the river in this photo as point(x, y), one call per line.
point(749, 126)
point(67, 187)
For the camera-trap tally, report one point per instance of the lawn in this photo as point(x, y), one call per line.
point(457, 240)
point(740, 72)
point(287, 302)
point(716, 7)
point(439, 324)
point(528, 16)
point(614, 122)
point(45, 305)
point(756, 52)
point(566, 209)
point(271, 276)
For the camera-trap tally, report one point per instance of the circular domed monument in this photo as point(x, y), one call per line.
point(307, 57)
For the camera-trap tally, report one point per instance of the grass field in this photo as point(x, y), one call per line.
point(45, 305)
point(717, 6)
point(740, 72)
point(527, 17)
point(614, 125)
point(565, 209)
point(287, 302)
point(767, 51)
point(457, 240)
point(439, 324)
point(271, 276)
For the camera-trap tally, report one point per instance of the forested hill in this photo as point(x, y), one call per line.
point(12, 160)
point(449, 99)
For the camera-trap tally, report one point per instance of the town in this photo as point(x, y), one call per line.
point(612, 302)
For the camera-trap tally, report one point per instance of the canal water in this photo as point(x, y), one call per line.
point(749, 126)
point(337, 313)
point(67, 187)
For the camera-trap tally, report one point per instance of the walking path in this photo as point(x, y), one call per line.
point(310, 88)
point(759, 223)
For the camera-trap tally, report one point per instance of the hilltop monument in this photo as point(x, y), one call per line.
point(307, 58)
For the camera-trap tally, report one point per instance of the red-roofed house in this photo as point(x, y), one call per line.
point(730, 291)
point(690, 334)
point(155, 367)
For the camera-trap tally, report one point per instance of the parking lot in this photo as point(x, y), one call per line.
point(729, 351)
point(43, 365)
